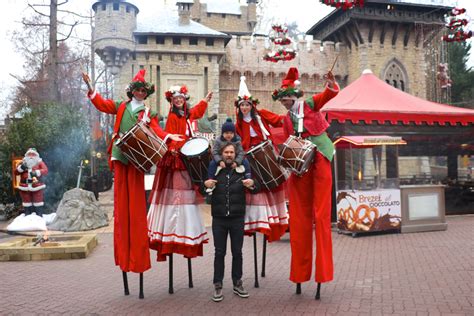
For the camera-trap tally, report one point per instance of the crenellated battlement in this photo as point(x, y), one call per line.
point(245, 54)
point(244, 57)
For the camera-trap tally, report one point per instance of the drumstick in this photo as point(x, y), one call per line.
point(333, 64)
point(86, 79)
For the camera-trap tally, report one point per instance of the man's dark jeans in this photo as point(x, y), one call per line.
point(221, 227)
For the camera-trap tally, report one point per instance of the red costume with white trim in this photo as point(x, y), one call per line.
point(266, 211)
point(31, 171)
point(131, 249)
point(310, 195)
point(174, 220)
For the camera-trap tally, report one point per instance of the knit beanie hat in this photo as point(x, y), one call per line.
point(228, 126)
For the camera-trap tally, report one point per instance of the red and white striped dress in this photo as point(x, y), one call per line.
point(174, 219)
point(266, 211)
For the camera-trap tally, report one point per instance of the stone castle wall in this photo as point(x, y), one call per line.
point(244, 58)
point(224, 22)
point(216, 68)
point(377, 56)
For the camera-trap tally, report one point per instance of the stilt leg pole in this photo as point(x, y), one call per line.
point(125, 283)
point(141, 295)
point(318, 290)
point(170, 288)
point(190, 273)
point(255, 259)
point(264, 255)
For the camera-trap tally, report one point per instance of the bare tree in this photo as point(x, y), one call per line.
point(42, 42)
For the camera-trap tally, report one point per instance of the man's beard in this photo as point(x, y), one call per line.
point(31, 161)
point(228, 161)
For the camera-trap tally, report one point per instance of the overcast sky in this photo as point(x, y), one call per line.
point(305, 12)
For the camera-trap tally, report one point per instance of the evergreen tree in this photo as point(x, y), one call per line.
point(60, 133)
point(462, 89)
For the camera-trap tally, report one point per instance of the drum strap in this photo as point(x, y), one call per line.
point(118, 119)
point(300, 116)
point(262, 127)
point(145, 117)
point(190, 127)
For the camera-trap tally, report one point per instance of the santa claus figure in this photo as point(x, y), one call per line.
point(32, 169)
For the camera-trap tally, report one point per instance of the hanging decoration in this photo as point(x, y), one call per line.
point(443, 76)
point(279, 38)
point(344, 4)
point(456, 26)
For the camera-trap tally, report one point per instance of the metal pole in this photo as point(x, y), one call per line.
point(352, 168)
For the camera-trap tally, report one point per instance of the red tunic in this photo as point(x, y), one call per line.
point(178, 125)
point(243, 128)
point(266, 211)
point(130, 223)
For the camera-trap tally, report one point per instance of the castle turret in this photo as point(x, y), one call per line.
point(184, 11)
point(252, 14)
point(115, 21)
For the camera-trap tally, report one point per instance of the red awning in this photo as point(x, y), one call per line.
point(371, 100)
point(367, 141)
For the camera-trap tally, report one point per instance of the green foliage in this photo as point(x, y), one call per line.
point(6, 190)
point(60, 134)
point(462, 90)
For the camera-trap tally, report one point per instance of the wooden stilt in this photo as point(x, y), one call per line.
point(170, 288)
point(141, 295)
point(190, 273)
point(298, 288)
point(264, 255)
point(255, 259)
point(125, 283)
point(318, 290)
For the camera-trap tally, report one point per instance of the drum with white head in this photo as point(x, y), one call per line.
point(196, 156)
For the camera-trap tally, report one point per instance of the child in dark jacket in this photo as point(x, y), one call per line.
point(228, 136)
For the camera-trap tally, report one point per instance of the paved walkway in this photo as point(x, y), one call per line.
point(394, 274)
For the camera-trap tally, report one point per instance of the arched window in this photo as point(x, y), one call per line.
point(395, 75)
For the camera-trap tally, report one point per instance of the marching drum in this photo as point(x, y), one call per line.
point(264, 165)
point(196, 157)
point(297, 154)
point(142, 147)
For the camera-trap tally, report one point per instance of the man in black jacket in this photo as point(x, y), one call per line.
point(228, 211)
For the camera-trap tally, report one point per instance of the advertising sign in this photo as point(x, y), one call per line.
point(368, 211)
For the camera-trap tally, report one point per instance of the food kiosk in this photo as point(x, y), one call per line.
point(366, 201)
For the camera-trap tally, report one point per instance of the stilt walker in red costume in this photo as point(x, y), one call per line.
point(266, 211)
point(174, 220)
point(131, 248)
point(309, 194)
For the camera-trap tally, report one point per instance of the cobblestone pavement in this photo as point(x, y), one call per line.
point(393, 274)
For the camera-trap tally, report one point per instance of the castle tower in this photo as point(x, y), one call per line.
point(252, 14)
point(227, 16)
point(115, 21)
point(184, 11)
point(394, 39)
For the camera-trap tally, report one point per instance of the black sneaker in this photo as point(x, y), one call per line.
point(239, 290)
point(217, 296)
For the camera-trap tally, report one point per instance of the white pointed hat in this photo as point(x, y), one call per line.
point(243, 90)
point(244, 94)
